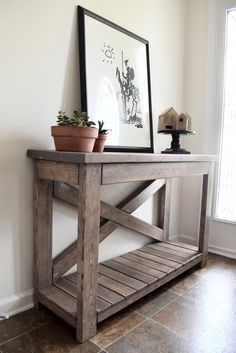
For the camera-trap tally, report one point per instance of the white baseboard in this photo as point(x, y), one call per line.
point(16, 303)
point(212, 248)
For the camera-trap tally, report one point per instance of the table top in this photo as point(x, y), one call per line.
point(116, 157)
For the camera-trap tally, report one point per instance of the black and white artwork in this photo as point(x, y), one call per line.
point(115, 84)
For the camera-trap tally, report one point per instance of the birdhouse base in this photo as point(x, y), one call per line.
point(175, 144)
point(175, 151)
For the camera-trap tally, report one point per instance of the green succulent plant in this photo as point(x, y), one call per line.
point(62, 119)
point(101, 130)
point(78, 119)
point(81, 119)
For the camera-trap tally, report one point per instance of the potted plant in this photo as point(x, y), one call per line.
point(101, 139)
point(75, 134)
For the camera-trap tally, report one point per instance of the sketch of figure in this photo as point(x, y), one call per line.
point(129, 94)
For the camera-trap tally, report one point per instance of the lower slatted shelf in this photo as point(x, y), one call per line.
point(127, 278)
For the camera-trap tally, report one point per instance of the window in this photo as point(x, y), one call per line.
point(226, 191)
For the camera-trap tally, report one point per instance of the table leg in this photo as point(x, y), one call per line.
point(205, 218)
point(43, 197)
point(164, 214)
point(88, 241)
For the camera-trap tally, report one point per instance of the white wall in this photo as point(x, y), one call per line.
point(194, 94)
point(39, 75)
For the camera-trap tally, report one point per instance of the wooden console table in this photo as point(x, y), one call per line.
point(97, 291)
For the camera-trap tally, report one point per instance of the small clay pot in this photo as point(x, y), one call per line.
point(74, 138)
point(100, 143)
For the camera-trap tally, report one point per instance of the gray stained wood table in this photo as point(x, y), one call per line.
point(97, 291)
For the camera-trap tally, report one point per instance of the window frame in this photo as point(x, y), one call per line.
point(222, 7)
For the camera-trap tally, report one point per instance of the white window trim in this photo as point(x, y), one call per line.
point(215, 87)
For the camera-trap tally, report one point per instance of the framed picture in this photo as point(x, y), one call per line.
point(115, 82)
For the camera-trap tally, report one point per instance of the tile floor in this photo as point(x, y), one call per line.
point(195, 313)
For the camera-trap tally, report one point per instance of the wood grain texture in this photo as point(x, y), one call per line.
point(87, 263)
point(150, 254)
point(71, 288)
point(166, 266)
point(68, 193)
point(165, 206)
point(60, 303)
point(42, 234)
point(205, 215)
point(133, 201)
point(132, 272)
point(113, 157)
point(148, 289)
point(121, 173)
point(140, 267)
point(115, 285)
point(96, 292)
point(126, 220)
point(177, 246)
point(153, 264)
point(120, 277)
point(66, 172)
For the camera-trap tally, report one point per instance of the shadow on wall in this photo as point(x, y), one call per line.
point(71, 93)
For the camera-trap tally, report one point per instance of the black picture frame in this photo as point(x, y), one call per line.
point(115, 82)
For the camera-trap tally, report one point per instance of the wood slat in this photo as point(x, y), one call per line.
point(164, 255)
point(168, 263)
point(148, 289)
point(142, 268)
point(120, 277)
point(109, 295)
point(70, 288)
point(73, 277)
point(60, 303)
point(180, 249)
point(183, 245)
point(115, 286)
point(142, 260)
point(130, 272)
point(102, 305)
point(67, 286)
point(126, 220)
point(175, 251)
point(167, 253)
point(105, 296)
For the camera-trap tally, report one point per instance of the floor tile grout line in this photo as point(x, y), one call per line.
point(165, 327)
point(197, 344)
point(136, 312)
point(26, 332)
point(175, 333)
point(156, 312)
point(125, 334)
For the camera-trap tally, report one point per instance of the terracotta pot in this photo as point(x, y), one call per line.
point(100, 143)
point(73, 138)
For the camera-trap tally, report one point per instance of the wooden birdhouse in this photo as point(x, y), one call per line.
point(182, 122)
point(168, 120)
